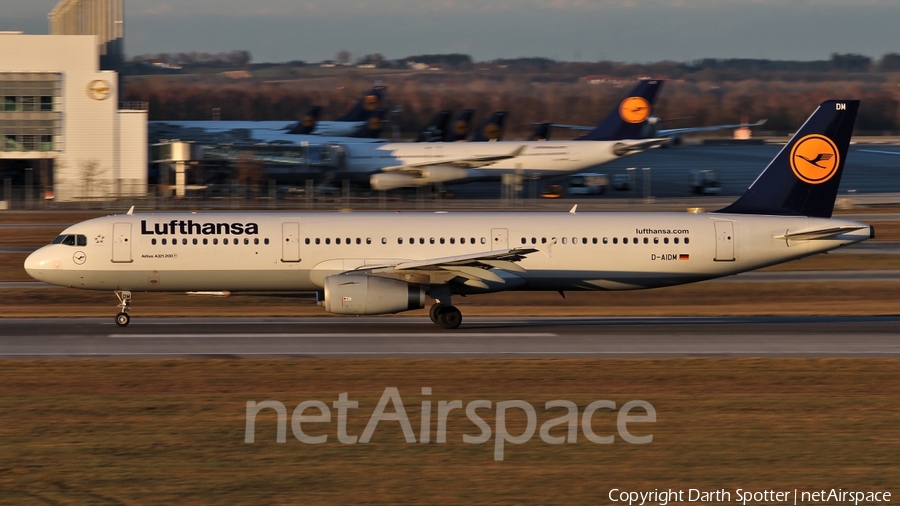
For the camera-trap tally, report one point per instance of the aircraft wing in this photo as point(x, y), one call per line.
point(473, 269)
point(624, 147)
point(690, 130)
point(677, 131)
point(463, 163)
point(880, 152)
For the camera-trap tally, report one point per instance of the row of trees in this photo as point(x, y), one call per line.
point(785, 104)
point(730, 68)
point(193, 58)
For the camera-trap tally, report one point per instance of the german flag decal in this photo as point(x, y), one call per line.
point(684, 257)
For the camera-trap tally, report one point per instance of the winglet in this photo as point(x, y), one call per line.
point(130, 211)
point(572, 211)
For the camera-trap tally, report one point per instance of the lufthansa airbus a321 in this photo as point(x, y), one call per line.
point(379, 263)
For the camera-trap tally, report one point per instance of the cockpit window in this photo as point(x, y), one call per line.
point(71, 240)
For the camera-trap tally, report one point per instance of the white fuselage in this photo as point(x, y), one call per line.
point(538, 159)
point(295, 251)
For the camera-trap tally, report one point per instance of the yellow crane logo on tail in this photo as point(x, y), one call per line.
point(634, 109)
point(815, 159)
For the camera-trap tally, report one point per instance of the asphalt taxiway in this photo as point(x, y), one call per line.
point(407, 337)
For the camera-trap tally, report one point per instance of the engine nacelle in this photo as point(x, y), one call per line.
point(443, 174)
point(391, 181)
point(361, 294)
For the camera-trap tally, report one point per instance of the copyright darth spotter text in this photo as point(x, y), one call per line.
point(747, 497)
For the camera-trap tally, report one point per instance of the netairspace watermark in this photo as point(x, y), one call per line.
point(391, 395)
point(745, 497)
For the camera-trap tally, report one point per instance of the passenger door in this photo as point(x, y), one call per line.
point(121, 252)
point(724, 241)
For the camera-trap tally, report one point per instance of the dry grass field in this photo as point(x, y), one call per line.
point(172, 432)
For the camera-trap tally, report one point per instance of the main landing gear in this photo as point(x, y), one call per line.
point(122, 319)
point(447, 317)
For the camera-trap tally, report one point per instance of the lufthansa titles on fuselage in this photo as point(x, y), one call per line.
point(190, 227)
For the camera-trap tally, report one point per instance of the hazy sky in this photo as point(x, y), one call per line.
point(621, 30)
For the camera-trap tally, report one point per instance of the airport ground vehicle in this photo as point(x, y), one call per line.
point(554, 191)
point(587, 183)
point(705, 182)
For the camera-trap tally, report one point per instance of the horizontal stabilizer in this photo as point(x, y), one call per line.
point(826, 233)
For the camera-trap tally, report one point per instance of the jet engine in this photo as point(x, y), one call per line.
point(361, 294)
point(390, 181)
point(429, 175)
point(443, 174)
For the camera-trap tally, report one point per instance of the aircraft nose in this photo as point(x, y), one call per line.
point(36, 264)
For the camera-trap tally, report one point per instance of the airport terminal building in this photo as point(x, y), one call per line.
point(62, 127)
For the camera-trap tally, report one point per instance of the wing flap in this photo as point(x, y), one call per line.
point(474, 269)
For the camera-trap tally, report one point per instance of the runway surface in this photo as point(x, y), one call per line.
point(411, 337)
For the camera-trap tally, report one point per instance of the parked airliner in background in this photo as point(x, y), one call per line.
point(345, 126)
point(403, 164)
point(378, 263)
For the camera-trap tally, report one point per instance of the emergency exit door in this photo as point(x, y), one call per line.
point(499, 238)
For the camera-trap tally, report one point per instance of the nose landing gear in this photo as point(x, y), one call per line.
point(122, 319)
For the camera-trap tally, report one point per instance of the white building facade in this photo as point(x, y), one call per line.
point(58, 106)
